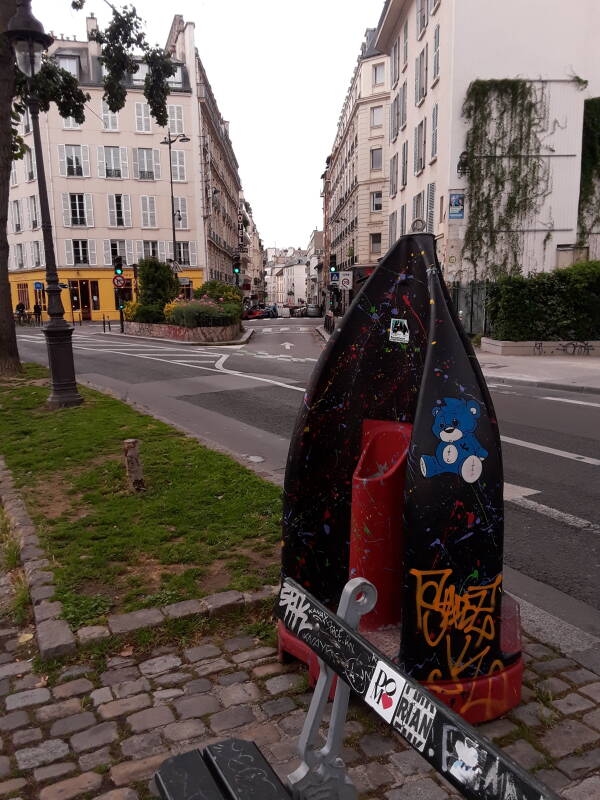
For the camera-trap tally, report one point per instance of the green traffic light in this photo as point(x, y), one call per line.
point(331, 269)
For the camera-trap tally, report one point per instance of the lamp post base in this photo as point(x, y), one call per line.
point(64, 392)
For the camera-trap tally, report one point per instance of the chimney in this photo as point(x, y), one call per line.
point(91, 24)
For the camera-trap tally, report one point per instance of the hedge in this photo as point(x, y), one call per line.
point(194, 315)
point(559, 305)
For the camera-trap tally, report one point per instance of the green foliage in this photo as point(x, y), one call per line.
point(158, 285)
point(589, 192)
point(194, 315)
point(507, 181)
point(80, 609)
point(559, 305)
point(218, 290)
point(152, 313)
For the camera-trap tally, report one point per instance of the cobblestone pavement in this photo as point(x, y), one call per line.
point(100, 728)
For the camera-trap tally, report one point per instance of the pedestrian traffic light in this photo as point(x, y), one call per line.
point(118, 265)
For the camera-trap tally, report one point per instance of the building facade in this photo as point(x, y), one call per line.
point(314, 267)
point(355, 182)
point(438, 49)
point(109, 186)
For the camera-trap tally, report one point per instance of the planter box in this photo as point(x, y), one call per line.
point(501, 348)
point(217, 333)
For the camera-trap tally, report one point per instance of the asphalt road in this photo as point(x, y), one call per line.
point(244, 400)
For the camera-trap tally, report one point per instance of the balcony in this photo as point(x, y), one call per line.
point(145, 174)
point(73, 171)
point(81, 260)
point(77, 220)
point(113, 173)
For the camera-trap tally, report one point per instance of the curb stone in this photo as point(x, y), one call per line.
point(244, 339)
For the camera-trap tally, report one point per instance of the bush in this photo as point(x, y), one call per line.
point(559, 305)
point(150, 313)
point(130, 310)
point(158, 284)
point(218, 290)
point(196, 315)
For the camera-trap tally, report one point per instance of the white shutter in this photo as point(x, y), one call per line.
point(156, 159)
point(105, 115)
point(89, 210)
point(92, 251)
point(62, 161)
point(107, 257)
point(24, 253)
point(193, 255)
point(66, 204)
point(139, 249)
point(152, 211)
point(170, 250)
point(426, 70)
point(136, 166)
point(126, 206)
point(414, 214)
point(112, 211)
point(144, 210)
point(139, 117)
point(26, 213)
point(417, 85)
point(101, 163)
point(124, 162)
point(32, 251)
point(434, 130)
point(181, 206)
point(128, 252)
point(161, 251)
point(424, 153)
point(416, 149)
point(430, 207)
point(69, 259)
point(85, 160)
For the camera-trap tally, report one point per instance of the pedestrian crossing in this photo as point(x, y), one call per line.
point(283, 329)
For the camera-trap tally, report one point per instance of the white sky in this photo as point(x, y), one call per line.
point(280, 70)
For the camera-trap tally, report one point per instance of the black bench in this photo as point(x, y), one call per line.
point(237, 770)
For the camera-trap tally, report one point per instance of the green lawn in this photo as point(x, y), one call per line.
point(204, 523)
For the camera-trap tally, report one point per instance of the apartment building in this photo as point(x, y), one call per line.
point(314, 268)
point(355, 181)
point(109, 185)
point(437, 49)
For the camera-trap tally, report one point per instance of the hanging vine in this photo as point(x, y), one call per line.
point(589, 191)
point(507, 178)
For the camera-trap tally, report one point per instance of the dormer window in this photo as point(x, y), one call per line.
point(139, 77)
point(70, 64)
point(177, 79)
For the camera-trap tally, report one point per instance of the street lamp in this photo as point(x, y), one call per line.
point(170, 140)
point(29, 41)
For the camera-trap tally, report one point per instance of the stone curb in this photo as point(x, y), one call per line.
point(55, 637)
point(244, 339)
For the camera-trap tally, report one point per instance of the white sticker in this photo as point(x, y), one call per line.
point(384, 690)
point(414, 717)
point(399, 331)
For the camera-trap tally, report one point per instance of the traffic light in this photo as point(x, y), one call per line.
point(332, 269)
point(118, 265)
point(236, 265)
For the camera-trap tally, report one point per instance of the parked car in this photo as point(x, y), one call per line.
point(299, 311)
point(313, 310)
point(255, 312)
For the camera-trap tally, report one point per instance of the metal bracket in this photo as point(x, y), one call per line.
point(322, 773)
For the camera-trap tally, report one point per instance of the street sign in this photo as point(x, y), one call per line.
point(345, 280)
point(38, 286)
point(334, 277)
point(175, 266)
point(118, 281)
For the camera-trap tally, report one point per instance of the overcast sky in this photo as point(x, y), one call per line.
point(280, 70)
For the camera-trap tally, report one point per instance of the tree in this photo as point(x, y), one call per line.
point(119, 41)
point(217, 290)
point(158, 284)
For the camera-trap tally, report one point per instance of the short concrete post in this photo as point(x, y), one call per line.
point(133, 465)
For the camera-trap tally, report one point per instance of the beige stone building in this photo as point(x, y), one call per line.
point(355, 182)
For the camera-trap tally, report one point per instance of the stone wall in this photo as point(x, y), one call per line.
point(502, 348)
point(225, 333)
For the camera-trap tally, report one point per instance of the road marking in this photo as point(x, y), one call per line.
point(287, 345)
point(220, 368)
point(575, 402)
point(553, 513)
point(512, 491)
point(595, 462)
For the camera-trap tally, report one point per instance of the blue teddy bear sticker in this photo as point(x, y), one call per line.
point(459, 451)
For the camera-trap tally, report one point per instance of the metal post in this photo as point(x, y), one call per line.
point(170, 141)
point(58, 332)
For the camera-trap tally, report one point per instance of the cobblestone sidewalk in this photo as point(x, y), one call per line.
point(102, 732)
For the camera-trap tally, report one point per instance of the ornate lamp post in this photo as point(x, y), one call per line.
point(170, 140)
point(29, 41)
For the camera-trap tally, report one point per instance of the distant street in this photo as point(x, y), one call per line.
point(244, 400)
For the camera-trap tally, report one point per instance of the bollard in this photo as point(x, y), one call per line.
point(133, 465)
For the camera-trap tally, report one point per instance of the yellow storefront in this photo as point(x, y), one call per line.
point(89, 294)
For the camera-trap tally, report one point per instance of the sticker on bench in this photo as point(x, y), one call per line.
point(385, 689)
point(414, 717)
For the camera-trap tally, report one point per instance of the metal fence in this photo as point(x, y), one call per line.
point(470, 302)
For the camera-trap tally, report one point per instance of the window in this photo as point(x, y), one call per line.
point(178, 165)
point(69, 123)
point(20, 256)
point(30, 165)
point(77, 209)
point(421, 76)
point(34, 215)
point(375, 243)
point(404, 172)
point(421, 17)
point(175, 119)
point(146, 164)
point(418, 206)
point(378, 74)
point(110, 119)
point(183, 252)
point(420, 143)
point(402, 103)
point(13, 173)
point(376, 116)
point(430, 207)
point(436, 53)
point(403, 219)
point(148, 211)
point(392, 228)
point(142, 118)
point(73, 159)
point(150, 249)
point(139, 77)
point(376, 201)
point(405, 44)
point(26, 121)
point(376, 158)
point(80, 251)
point(181, 216)
point(119, 211)
point(117, 248)
point(434, 131)
point(393, 174)
point(15, 210)
point(176, 80)
point(70, 64)
point(36, 254)
point(394, 117)
point(23, 294)
point(113, 162)
point(395, 61)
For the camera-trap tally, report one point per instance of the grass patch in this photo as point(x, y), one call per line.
point(204, 524)
point(21, 610)
point(10, 557)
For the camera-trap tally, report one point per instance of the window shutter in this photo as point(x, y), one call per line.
point(416, 149)
point(42, 255)
point(152, 212)
point(26, 213)
point(161, 251)
point(85, 160)
point(170, 250)
point(124, 162)
point(179, 119)
point(144, 210)
point(62, 160)
point(430, 207)
point(139, 249)
point(92, 251)
point(89, 210)
point(417, 88)
point(414, 214)
point(128, 251)
point(139, 117)
point(24, 255)
point(136, 166)
point(156, 159)
point(69, 259)
point(426, 70)
point(183, 210)
point(424, 154)
point(101, 162)
point(434, 130)
point(193, 255)
point(126, 201)
point(107, 256)
point(66, 204)
point(112, 211)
